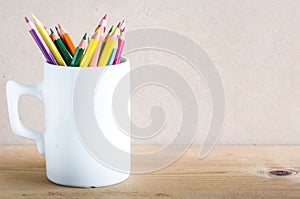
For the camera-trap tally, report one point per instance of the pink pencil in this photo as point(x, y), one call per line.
point(121, 42)
point(103, 23)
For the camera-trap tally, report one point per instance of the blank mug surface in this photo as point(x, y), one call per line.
point(83, 143)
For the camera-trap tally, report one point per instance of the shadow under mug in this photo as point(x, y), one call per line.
point(81, 130)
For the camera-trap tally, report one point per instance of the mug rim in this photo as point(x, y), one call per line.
point(123, 61)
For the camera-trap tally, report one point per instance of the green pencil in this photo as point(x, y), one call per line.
point(79, 52)
point(62, 48)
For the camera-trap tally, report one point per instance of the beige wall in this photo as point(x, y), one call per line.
point(255, 45)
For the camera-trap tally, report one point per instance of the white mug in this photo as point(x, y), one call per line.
point(74, 150)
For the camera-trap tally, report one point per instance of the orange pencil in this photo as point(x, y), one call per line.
point(67, 39)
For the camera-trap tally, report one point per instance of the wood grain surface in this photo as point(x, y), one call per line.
point(228, 172)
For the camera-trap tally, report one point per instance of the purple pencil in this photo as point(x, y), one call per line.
point(40, 42)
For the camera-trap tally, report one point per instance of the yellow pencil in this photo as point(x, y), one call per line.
point(108, 48)
point(105, 55)
point(90, 49)
point(48, 41)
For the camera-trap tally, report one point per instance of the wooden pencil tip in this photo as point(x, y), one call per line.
point(98, 29)
point(59, 25)
point(34, 19)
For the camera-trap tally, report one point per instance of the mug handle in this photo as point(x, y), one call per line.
point(14, 91)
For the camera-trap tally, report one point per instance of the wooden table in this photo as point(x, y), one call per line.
point(229, 172)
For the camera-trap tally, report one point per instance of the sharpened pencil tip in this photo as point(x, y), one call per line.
point(52, 32)
point(59, 25)
point(26, 19)
point(34, 18)
point(119, 24)
point(84, 37)
point(105, 16)
point(111, 28)
point(98, 29)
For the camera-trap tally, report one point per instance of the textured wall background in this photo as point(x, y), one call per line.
point(255, 45)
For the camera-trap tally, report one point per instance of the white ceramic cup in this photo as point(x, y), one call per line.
point(69, 159)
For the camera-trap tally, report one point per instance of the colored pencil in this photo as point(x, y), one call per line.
point(123, 25)
point(48, 41)
point(90, 49)
point(103, 23)
point(104, 41)
point(100, 50)
point(121, 42)
point(62, 48)
point(79, 52)
point(40, 42)
point(49, 33)
point(95, 57)
point(58, 32)
point(113, 54)
point(109, 32)
point(116, 30)
point(108, 48)
point(114, 51)
point(67, 40)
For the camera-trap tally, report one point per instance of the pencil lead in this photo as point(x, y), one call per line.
point(111, 28)
point(105, 16)
point(26, 19)
point(84, 37)
point(34, 19)
point(52, 32)
point(119, 24)
point(123, 24)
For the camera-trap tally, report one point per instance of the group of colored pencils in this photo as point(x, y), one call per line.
point(58, 48)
